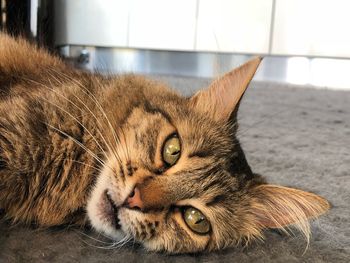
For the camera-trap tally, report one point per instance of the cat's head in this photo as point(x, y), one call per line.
point(178, 181)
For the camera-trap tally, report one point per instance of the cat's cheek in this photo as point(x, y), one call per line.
point(175, 237)
point(199, 242)
point(155, 245)
point(142, 227)
point(125, 222)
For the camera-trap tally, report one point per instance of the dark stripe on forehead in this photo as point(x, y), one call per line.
point(211, 184)
point(151, 109)
point(201, 153)
point(127, 114)
point(218, 199)
point(148, 140)
point(148, 137)
point(208, 171)
point(199, 173)
point(3, 164)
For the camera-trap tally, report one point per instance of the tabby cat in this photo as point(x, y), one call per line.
point(132, 158)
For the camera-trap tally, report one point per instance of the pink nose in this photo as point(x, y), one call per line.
point(134, 200)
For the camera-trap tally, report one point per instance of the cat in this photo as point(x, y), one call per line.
point(133, 158)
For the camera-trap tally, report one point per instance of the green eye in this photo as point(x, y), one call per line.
point(171, 150)
point(195, 220)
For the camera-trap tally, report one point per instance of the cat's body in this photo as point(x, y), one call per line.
point(83, 148)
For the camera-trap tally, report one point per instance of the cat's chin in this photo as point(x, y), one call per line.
point(103, 213)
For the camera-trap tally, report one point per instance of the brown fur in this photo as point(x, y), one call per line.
point(59, 128)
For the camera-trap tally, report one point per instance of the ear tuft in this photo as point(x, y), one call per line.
point(224, 94)
point(279, 207)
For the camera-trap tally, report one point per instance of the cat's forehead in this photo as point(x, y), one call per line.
point(198, 132)
point(206, 145)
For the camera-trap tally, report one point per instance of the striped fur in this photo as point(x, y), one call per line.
point(69, 138)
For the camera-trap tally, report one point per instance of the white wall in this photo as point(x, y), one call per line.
point(91, 22)
point(312, 27)
point(234, 26)
point(161, 24)
point(281, 27)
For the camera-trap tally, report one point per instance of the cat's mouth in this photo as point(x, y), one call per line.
point(111, 211)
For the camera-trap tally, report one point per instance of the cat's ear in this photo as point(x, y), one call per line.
point(278, 207)
point(222, 97)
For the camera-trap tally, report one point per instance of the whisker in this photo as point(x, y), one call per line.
point(70, 101)
point(115, 136)
point(79, 143)
point(90, 111)
point(95, 239)
point(123, 241)
point(100, 247)
point(94, 99)
point(82, 163)
point(79, 122)
point(114, 245)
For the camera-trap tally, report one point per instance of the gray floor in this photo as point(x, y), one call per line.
point(294, 136)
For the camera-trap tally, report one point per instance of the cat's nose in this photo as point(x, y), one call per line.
point(134, 200)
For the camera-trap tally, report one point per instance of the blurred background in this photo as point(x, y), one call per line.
point(305, 42)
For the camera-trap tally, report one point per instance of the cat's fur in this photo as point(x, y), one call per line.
point(68, 138)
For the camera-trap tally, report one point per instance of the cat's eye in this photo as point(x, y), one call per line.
point(171, 150)
point(195, 220)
